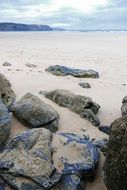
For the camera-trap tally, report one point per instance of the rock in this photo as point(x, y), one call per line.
point(84, 85)
point(34, 113)
point(124, 106)
point(26, 161)
point(64, 71)
point(82, 105)
point(69, 182)
point(42, 92)
point(116, 161)
point(30, 65)
point(6, 93)
point(18, 69)
point(104, 129)
point(75, 155)
point(5, 124)
point(6, 64)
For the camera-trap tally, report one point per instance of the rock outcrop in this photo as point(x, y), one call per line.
point(82, 105)
point(5, 124)
point(34, 113)
point(116, 160)
point(27, 161)
point(6, 93)
point(64, 71)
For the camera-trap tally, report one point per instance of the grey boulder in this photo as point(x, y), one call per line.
point(34, 113)
point(27, 161)
point(5, 124)
point(82, 105)
point(6, 93)
point(64, 71)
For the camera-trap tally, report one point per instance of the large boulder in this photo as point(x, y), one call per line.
point(116, 160)
point(6, 93)
point(75, 155)
point(64, 71)
point(5, 124)
point(27, 161)
point(82, 105)
point(34, 113)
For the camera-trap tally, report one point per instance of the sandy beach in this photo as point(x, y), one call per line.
point(103, 52)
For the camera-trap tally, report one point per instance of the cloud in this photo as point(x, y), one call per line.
point(70, 14)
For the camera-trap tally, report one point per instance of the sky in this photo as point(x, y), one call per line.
point(68, 14)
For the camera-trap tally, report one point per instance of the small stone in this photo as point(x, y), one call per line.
point(30, 65)
point(18, 70)
point(84, 85)
point(42, 92)
point(104, 129)
point(6, 64)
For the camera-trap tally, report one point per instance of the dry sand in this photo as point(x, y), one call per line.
point(104, 52)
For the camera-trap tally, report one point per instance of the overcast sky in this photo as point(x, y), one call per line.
point(68, 14)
